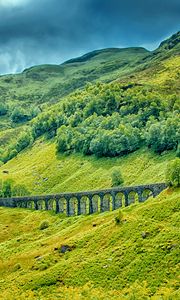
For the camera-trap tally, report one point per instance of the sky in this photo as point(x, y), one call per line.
point(34, 32)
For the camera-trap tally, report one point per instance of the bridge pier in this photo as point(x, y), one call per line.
point(57, 206)
point(36, 205)
point(113, 201)
point(78, 206)
point(67, 207)
point(126, 203)
point(46, 205)
point(90, 205)
point(140, 199)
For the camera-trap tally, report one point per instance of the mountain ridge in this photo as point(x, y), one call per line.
point(167, 44)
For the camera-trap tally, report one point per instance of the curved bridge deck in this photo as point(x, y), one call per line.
point(88, 202)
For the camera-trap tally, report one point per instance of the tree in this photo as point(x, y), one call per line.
point(7, 188)
point(19, 115)
point(116, 178)
point(24, 140)
point(62, 143)
point(173, 173)
point(3, 109)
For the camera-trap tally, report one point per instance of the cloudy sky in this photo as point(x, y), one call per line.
point(51, 31)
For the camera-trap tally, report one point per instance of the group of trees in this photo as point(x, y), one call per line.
point(99, 141)
point(9, 189)
point(24, 140)
point(17, 114)
point(106, 120)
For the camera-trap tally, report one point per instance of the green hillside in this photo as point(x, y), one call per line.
point(66, 128)
point(42, 171)
point(108, 121)
point(137, 259)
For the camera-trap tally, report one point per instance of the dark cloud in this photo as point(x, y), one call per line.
point(50, 31)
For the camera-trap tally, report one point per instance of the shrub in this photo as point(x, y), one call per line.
point(17, 267)
point(7, 188)
point(24, 140)
point(116, 178)
point(19, 115)
point(3, 109)
point(173, 173)
point(44, 224)
point(118, 219)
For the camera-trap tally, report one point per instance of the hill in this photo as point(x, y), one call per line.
point(42, 171)
point(137, 110)
point(91, 257)
point(66, 128)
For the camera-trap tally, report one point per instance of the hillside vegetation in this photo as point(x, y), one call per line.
point(137, 259)
point(42, 171)
point(105, 119)
point(67, 128)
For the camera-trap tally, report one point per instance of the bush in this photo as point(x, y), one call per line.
point(163, 135)
point(24, 140)
point(19, 115)
point(3, 109)
point(118, 219)
point(173, 173)
point(116, 178)
point(44, 224)
point(8, 189)
point(17, 267)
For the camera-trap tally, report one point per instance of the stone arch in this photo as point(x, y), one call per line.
point(132, 197)
point(52, 205)
point(23, 204)
point(62, 205)
point(95, 204)
point(41, 205)
point(73, 206)
point(30, 204)
point(119, 200)
point(19, 204)
point(84, 205)
point(146, 193)
point(106, 202)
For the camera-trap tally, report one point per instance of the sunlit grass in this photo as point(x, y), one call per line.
point(107, 261)
point(43, 171)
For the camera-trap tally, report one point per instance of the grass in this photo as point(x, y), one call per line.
point(48, 83)
point(42, 171)
point(138, 259)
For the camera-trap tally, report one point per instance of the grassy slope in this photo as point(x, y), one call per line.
point(50, 82)
point(107, 261)
point(77, 172)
